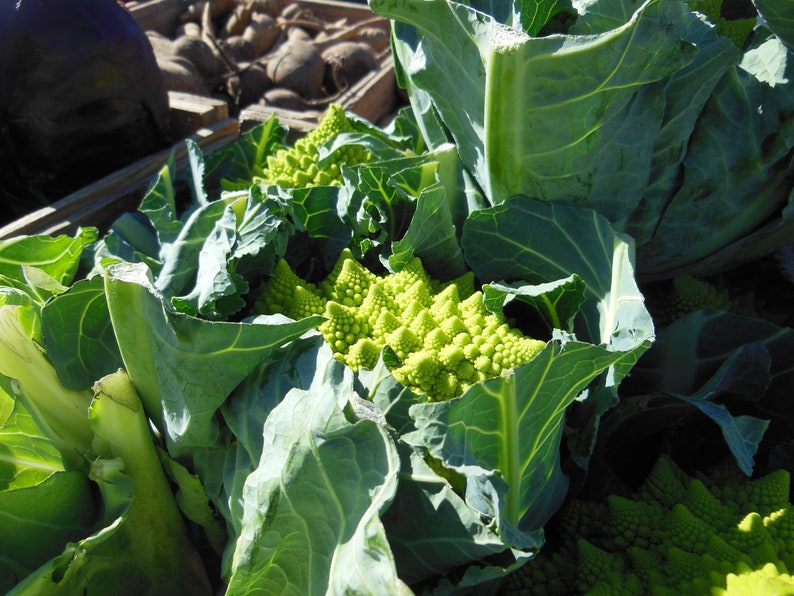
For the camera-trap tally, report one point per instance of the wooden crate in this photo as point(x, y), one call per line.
point(373, 97)
point(188, 113)
point(203, 120)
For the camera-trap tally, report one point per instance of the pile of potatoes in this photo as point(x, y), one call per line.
point(272, 52)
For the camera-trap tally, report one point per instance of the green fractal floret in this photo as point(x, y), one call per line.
point(686, 295)
point(286, 293)
point(299, 166)
point(716, 534)
point(445, 338)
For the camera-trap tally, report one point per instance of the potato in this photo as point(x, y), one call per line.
point(284, 98)
point(298, 34)
point(253, 84)
point(346, 62)
point(375, 37)
point(236, 21)
point(190, 29)
point(199, 52)
point(271, 8)
point(180, 74)
point(239, 48)
point(294, 11)
point(161, 45)
point(299, 66)
point(262, 32)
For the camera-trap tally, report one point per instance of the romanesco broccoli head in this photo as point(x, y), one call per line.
point(717, 533)
point(442, 334)
point(685, 295)
point(299, 166)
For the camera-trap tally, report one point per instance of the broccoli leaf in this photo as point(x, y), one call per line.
point(184, 367)
point(740, 365)
point(245, 413)
point(539, 242)
point(57, 256)
point(779, 16)
point(444, 533)
point(504, 435)
point(294, 503)
point(509, 129)
point(660, 122)
point(556, 302)
point(46, 502)
point(245, 158)
point(141, 540)
point(78, 335)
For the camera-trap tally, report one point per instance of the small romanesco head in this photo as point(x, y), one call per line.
point(299, 166)
point(684, 295)
point(717, 534)
point(445, 338)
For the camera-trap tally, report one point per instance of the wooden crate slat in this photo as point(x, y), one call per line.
point(101, 202)
point(189, 112)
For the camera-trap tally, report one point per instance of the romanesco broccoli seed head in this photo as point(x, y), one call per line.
point(299, 166)
point(342, 327)
point(674, 541)
point(363, 354)
point(444, 344)
point(278, 295)
point(767, 580)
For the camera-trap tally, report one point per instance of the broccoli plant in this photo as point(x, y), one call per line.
point(716, 532)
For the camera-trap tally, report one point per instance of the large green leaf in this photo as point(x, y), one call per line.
point(504, 435)
point(739, 362)
point(737, 169)
point(641, 111)
point(444, 533)
point(60, 412)
point(78, 335)
point(520, 126)
point(139, 543)
point(57, 256)
point(539, 242)
point(779, 15)
point(44, 500)
point(311, 520)
point(184, 367)
point(245, 413)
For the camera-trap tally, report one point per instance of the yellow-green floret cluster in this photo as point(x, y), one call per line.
point(299, 166)
point(684, 295)
point(445, 338)
point(687, 294)
point(713, 534)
